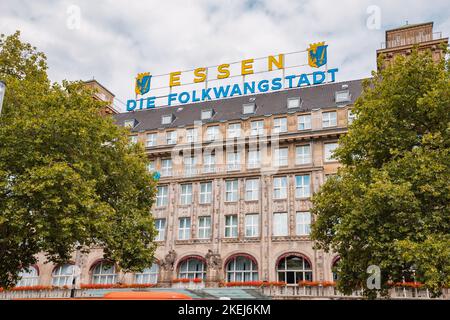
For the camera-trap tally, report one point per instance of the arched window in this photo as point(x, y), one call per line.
point(149, 275)
point(104, 273)
point(29, 277)
point(241, 268)
point(63, 275)
point(192, 268)
point(292, 269)
point(334, 269)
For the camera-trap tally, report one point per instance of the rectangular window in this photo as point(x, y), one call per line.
point(233, 161)
point(293, 102)
point(129, 123)
point(302, 186)
point(204, 227)
point(303, 223)
point(191, 135)
point(248, 108)
point(231, 226)
point(342, 96)
point(186, 194)
point(234, 130)
point(171, 137)
point(350, 116)
point(281, 157)
point(166, 167)
point(190, 166)
point(166, 119)
point(212, 133)
point(254, 159)
point(252, 225)
point(162, 196)
point(151, 166)
point(303, 154)
point(184, 228)
point(151, 139)
point(280, 187)
point(206, 114)
point(251, 189)
point(329, 119)
point(304, 122)
point(209, 163)
point(280, 224)
point(231, 190)
point(329, 149)
point(257, 128)
point(160, 225)
point(279, 125)
point(205, 192)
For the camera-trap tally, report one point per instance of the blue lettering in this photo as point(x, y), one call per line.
point(172, 97)
point(221, 91)
point(194, 98)
point(151, 102)
point(184, 97)
point(303, 79)
point(277, 83)
point(205, 94)
point(333, 72)
point(290, 78)
point(131, 105)
point(236, 90)
point(263, 86)
point(249, 87)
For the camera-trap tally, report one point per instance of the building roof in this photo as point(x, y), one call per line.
point(407, 26)
point(272, 103)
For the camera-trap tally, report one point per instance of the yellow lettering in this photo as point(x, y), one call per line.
point(174, 79)
point(271, 61)
point(200, 75)
point(247, 67)
point(223, 71)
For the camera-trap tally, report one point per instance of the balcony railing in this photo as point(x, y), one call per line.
point(411, 40)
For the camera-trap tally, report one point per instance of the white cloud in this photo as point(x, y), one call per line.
point(118, 39)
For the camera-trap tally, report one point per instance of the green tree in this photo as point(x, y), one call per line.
point(389, 203)
point(68, 176)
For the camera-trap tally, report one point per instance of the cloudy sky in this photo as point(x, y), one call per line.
point(114, 40)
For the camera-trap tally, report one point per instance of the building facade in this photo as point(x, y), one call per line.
point(236, 178)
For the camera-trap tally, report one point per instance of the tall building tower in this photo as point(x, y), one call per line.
point(102, 94)
point(403, 39)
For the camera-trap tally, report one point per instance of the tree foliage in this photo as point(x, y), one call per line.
point(68, 176)
point(389, 204)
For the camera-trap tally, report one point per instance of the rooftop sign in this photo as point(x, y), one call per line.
point(236, 78)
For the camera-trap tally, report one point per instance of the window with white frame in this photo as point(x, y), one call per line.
point(166, 167)
point(212, 133)
point(63, 275)
point(192, 268)
point(133, 139)
point(254, 159)
point(293, 102)
point(280, 187)
point(279, 125)
point(342, 96)
point(329, 149)
point(281, 156)
point(329, 119)
point(204, 227)
point(231, 226)
point(28, 277)
point(190, 165)
point(148, 275)
point(280, 224)
point(207, 114)
point(234, 130)
point(303, 154)
point(304, 122)
point(151, 139)
point(209, 163)
point(205, 192)
point(257, 128)
point(184, 228)
point(252, 225)
point(186, 193)
point(129, 123)
point(191, 135)
point(302, 186)
point(171, 137)
point(248, 108)
point(303, 223)
point(350, 116)
point(241, 269)
point(166, 119)
point(162, 197)
point(231, 190)
point(293, 269)
point(151, 166)
point(160, 226)
point(233, 161)
point(251, 189)
point(104, 273)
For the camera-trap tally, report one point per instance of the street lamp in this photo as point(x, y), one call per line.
point(2, 94)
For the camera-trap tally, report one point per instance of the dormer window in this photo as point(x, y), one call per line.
point(342, 96)
point(129, 123)
point(293, 102)
point(207, 114)
point(248, 108)
point(167, 119)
